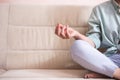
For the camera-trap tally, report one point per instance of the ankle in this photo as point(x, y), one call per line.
point(116, 73)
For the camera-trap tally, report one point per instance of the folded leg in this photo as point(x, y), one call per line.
point(90, 58)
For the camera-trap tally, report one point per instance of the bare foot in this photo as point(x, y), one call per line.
point(94, 75)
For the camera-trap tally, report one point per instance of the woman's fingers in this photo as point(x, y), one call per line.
point(67, 32)
point(63, 32)
point(58, 29)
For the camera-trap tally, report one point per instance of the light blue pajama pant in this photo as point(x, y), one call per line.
point(92, 59)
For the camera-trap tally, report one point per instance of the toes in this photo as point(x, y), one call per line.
point(88, 76)
point(94, 75)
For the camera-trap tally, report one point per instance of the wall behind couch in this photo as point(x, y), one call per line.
point(63, 2)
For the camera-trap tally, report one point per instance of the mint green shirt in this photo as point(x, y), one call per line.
point(104, 26)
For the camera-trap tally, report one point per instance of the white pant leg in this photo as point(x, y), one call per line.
point(90, 58)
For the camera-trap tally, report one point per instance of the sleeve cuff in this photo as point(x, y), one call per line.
point(95, 40)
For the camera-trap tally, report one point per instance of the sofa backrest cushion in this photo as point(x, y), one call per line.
point(27, 33)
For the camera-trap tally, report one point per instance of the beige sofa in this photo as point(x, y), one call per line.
point(29, 49)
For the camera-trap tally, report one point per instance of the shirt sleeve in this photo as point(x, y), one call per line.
point(94, 32)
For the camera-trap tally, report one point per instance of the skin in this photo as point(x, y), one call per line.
point(66, 32)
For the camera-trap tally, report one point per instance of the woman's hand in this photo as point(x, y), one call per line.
point(65, 32)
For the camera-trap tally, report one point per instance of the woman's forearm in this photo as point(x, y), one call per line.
point(79, 36)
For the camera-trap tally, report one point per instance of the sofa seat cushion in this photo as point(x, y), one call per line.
point(2, 71)
point(43, 73)
point(51, 79)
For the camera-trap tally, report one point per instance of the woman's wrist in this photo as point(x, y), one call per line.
point(77, 36)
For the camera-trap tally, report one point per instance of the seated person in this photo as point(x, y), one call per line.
point(104, 31)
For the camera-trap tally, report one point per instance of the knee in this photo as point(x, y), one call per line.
point(78, 48)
